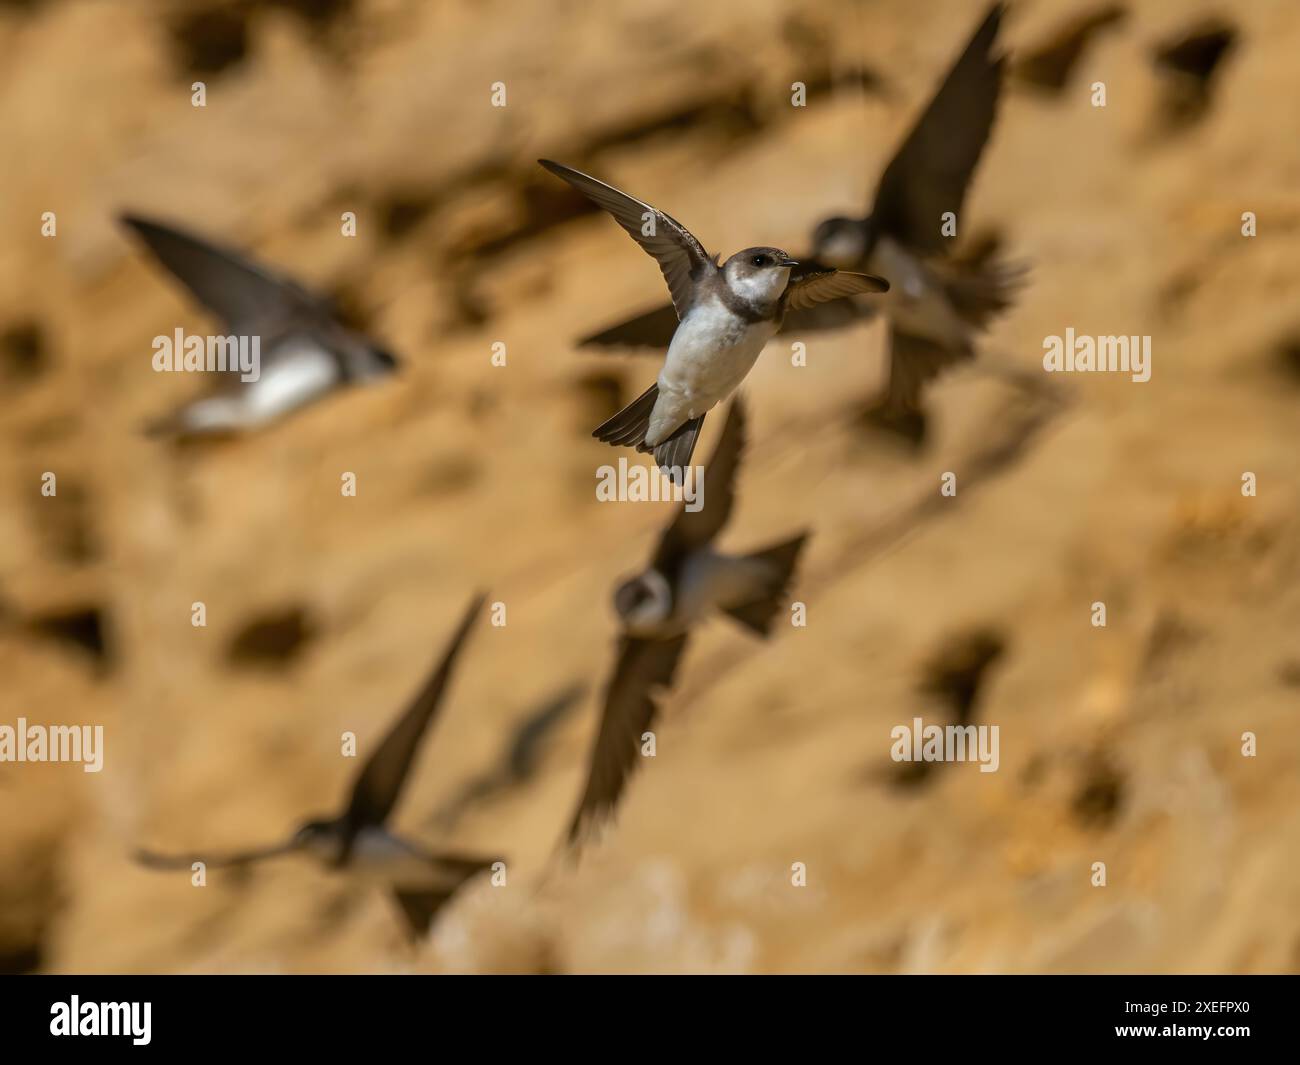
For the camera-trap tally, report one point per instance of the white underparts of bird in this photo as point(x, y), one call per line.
point(291, 347)
point(939, 301)
point(727, 312)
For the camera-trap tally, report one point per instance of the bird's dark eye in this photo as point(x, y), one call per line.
point(760, 260)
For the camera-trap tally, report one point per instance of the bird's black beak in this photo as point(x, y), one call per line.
point(789, 262)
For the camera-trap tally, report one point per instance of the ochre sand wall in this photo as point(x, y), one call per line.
point(1119, 744)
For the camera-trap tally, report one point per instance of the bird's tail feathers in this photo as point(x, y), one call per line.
point(981, 286)
point(420, 907)
point(673, 456)
point(780, 560)
point(628, 427)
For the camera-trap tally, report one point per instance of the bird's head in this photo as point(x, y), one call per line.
point(383, 361)
point(643, 602)
point(758, 274)
point(370, 362)
point(319, 837)
point(364, 359)
point(841, 243)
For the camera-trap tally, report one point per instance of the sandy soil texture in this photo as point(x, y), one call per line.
point(1120, 745)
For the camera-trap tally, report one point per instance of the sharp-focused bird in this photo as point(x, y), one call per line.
point(727, 312)
point(938, 303)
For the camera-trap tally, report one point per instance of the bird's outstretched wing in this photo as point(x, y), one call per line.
point(931, 171)
point(375, 793)
point(812, 283)
point(913, 363)
point(645, 668)
point(681, 257)
point(651, 330)
point(154, 860)
point(244, 294)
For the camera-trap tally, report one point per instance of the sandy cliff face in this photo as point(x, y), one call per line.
point(1119, 745)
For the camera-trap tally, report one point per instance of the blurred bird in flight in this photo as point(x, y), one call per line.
point(305, 351)
point(687, 579)
point(357, 841)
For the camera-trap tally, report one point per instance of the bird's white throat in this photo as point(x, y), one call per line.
point(761, 286)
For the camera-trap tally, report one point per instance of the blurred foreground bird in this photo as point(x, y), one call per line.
point(305, 351)
point(727, 313)
point(356, 841)
point(686, 580)
point(937, 303)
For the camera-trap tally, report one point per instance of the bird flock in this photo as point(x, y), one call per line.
point(895, 261)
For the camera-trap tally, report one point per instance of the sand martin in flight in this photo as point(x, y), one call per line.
point(938, 303)
point(305, 350)
point(686, 580)
point(727, 312)
point(357, 841)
